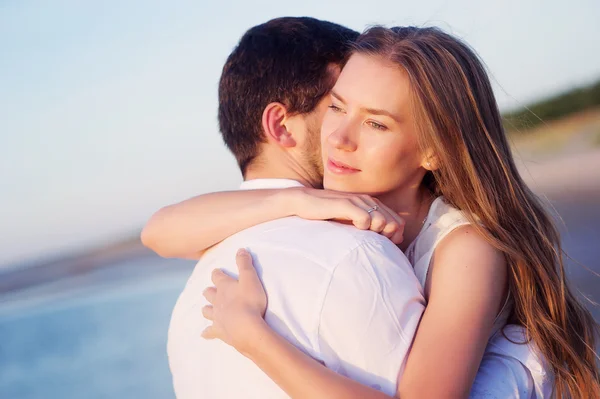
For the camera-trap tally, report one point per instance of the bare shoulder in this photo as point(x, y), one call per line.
point(466, 243)
point(466, 255)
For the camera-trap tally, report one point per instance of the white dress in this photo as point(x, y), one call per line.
point(508, 369)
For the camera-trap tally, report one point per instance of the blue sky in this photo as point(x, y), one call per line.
point(108, 109)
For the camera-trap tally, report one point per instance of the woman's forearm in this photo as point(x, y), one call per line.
point(186, 229)
point(299, 375)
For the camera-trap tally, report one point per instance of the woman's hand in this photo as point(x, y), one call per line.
point(237, 306)
point(363, 211)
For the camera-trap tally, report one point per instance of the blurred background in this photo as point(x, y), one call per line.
point(108, 112)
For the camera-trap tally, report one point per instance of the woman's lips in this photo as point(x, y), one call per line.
point(340, 168)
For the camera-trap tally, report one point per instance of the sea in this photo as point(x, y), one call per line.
point(102, 335)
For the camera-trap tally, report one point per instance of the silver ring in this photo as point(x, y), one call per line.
point(373, 209)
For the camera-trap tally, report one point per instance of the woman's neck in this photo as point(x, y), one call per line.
point(412, 204)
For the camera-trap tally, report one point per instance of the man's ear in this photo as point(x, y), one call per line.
point(430, 160)
point(273, 122)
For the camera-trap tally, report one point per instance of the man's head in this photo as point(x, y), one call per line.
point(272, 89)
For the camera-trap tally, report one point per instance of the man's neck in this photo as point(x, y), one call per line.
point(265, 173)
point(275, 165)
point(281, 171)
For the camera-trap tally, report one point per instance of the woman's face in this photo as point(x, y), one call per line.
point(368, 136)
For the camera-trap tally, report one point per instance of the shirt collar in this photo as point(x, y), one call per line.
point(269, 183)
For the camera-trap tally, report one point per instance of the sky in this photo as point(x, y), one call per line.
point(108, 109)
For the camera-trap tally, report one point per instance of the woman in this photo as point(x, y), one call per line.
point(413, 121)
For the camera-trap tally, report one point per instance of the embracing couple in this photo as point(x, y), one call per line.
point(425, 268)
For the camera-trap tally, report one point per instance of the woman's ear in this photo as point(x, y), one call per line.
point(273, 123)
point(430, 160)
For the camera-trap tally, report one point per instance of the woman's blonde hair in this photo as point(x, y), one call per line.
point(459, 122)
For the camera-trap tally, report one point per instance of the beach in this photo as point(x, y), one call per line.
point(571, 187)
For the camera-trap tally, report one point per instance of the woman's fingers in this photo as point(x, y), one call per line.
point(210, 294)
point(394, 229)
point(394, 232)
point(365, 212)
point(382, 218)
point(250, 285)
point(358, 211)
point(210, 332)
point(235, 304)
point(219, 277)
point(246, 268)
point(397, 237)
point(357, 208)
point(390, 229)
point(378, 221)
point(208, 312)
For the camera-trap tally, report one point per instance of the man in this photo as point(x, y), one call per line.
point(331, 287)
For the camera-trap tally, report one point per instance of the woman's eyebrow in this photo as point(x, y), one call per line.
point(373, 111)
point(376, 111)
point(336, 95)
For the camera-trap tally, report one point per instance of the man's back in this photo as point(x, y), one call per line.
point(346, 297)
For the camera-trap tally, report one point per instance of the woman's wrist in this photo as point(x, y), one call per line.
point(255, 334)
point(286, 201)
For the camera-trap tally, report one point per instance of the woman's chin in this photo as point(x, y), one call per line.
point(337, 185)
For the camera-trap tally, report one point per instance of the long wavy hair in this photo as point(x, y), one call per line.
point(458, 120)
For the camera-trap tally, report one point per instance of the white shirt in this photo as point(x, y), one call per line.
point(346, 297)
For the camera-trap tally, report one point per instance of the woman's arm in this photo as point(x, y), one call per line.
point(467, 286)
point(186, 229)
point(301, 376)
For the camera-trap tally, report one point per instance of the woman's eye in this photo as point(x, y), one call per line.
point(335, 108)
point(376, 125)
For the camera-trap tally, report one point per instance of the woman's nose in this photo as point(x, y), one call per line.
point(342, 138)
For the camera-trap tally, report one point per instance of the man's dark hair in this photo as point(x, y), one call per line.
point(284, 60)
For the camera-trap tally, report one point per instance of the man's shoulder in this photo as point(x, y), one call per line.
point(342, 231)
point(322, 242)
